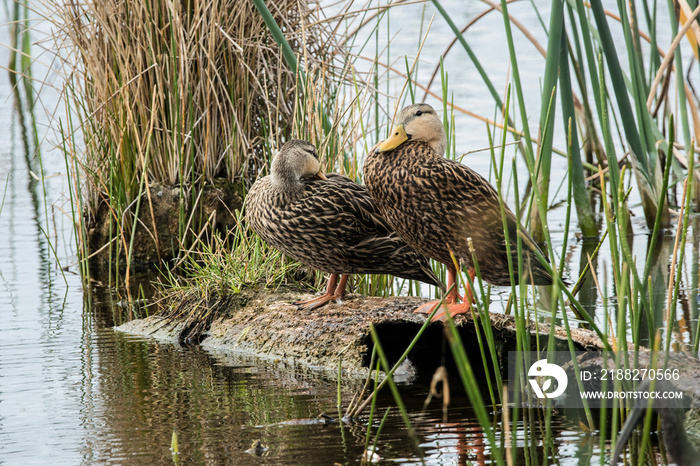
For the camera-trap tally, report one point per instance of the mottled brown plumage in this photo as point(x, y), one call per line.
point(329, 224)
point(436, 204)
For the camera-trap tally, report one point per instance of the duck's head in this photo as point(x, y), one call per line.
point(297, 159)
point(417, 122)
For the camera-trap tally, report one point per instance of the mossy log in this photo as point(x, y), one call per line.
point(268, 325)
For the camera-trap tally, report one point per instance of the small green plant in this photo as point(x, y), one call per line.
point(213, 274)
point(179, 97)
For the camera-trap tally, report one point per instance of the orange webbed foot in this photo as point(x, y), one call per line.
point(426, 308)
point(453, 310)
point(453, 303)
point(334, 290)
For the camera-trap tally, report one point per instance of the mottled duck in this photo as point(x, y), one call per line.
point(327, 222)
point(436, 205)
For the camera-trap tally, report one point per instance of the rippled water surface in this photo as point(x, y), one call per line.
point(76, 391)
point(81, 392)
point(72, 390)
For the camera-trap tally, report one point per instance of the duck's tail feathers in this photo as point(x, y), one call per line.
point(535, 274)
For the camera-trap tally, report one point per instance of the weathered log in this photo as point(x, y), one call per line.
point(268, 325)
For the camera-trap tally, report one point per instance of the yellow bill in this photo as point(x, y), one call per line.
point(320, 175)
point(398, 137)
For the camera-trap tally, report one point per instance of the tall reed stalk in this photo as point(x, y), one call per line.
point(621, 144)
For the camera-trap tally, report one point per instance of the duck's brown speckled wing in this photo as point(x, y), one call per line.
point(436, 205)
point(333, 226)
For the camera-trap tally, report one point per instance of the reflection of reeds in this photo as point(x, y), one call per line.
point(25, 101)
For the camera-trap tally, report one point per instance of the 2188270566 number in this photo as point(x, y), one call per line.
point(640, 374)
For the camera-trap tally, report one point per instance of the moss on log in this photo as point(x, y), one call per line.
point(268, 325)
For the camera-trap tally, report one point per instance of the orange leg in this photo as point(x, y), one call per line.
point(451, 303)
point(334, 290)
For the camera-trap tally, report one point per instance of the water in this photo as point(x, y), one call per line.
point(72, 390)
point(82, 393)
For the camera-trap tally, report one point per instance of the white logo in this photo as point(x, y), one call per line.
point(544, 369)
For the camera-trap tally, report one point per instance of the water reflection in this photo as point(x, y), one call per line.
point(131, 393)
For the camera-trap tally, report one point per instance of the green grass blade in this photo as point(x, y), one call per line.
point(395, 390)
point(469, 381)
point(529, 152)
point(551, 75)
point(618, 81)
point(580, 191)
point(288, 54)
point(278, 35)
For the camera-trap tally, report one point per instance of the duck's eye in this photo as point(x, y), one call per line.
point(419, 112)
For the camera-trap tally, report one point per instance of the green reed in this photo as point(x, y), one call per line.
point(148, 117)
point(573, 64)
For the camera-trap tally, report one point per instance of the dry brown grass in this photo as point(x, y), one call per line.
point(182, 93)
point(193, 88)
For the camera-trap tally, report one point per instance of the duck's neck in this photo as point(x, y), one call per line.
point(429, 154)
point(289, 188)
point(439, 146)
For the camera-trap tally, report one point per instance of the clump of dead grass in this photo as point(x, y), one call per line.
point(197, 86)
point(180, 93)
